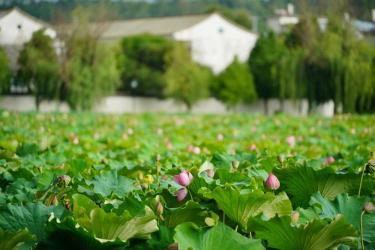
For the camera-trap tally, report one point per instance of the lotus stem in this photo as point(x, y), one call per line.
point(362, 242)
point(250, 235)
point(191, 196)
point(360, 183)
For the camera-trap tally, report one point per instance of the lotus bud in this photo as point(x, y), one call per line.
point(369, 207)
point(252, 147)
point(210, 173)
point(159, 208)
point(294, 217)
point(181, 194)
point(272, 182)
point(220, 137)
point(196, 150)
point(329, 160)
point(291, 141)
point(184, 178)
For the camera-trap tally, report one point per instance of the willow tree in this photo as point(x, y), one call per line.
point(39, 68)
point(89, 70)
point(186, 81)
point(264, 66)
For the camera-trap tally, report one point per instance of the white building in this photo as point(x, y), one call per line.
point(214, 41)
point(17, 28)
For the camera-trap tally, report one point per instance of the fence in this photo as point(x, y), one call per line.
point(127, 104)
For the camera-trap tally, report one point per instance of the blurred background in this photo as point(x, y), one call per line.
point(205, 56)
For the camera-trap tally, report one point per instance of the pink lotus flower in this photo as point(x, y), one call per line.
point(272, 182)
point(252, 147)
point(291, 140)
point(329, 160)
point(369, 207)
point(184, 178)
point(181, 194)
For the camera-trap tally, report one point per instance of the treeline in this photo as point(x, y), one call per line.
point(48, 10)
point(305, 63)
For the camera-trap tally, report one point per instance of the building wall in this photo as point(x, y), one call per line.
point(16, 28)
point(126, 104)
point(215, 42)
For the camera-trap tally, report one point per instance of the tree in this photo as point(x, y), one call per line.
point(89, 69)
point(186, 81)
point(234, 85)
point(264, 66)
point(143, 59)
point(39, 68)
point(238, 16)
point(5, 72)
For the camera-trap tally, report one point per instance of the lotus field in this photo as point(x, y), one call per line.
point(200, 182)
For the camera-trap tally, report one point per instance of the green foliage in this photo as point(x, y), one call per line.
point(351, 208)
point(234, 85)
point(39, 68)
point(110, 226)
point(317, 235)
point(189, 236)
point(13, 241)
point(143, 59)
point(89, 70)
point(32, 216)
point(240, 207)
point(238, 16)
point(303, 181)
point(115, 188)
point(263, 64)
point(5, 73)
point(186, 81)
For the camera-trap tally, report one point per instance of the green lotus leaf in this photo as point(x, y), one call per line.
point(317, 235)
point(189, 212)
point(33, 216)
point(189, 236)
point(112, 183)
point(110, 226)
point(12, 241)
point(66, 235)
point(240, 206)
point(351, 208)
point(302, 181)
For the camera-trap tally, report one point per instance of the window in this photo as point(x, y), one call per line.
point(19, 26)
point(220, 30)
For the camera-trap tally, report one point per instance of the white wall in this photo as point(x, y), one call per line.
point(215, 42)
point(126, 104)
point(11, 34)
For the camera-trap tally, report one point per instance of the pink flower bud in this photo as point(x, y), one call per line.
point(329, 160)
point(272, 182)
point(294, 217)
point(159, 208)
point(369, 207)
point(220, 137)
point(291, 140)
point(252, 147)
point(196, 150)
point(184, 178)
point(210, 173)
point(181, 194)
